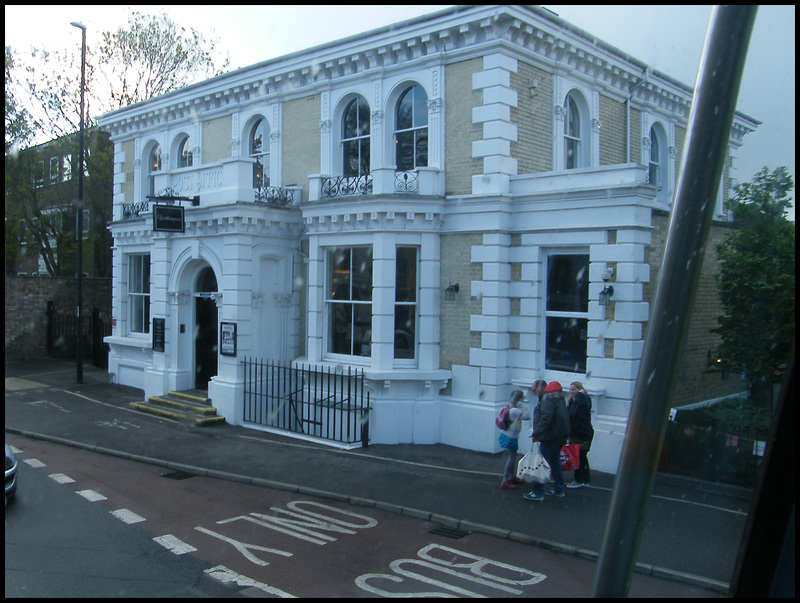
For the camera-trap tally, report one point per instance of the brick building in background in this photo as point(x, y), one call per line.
point(440, 203)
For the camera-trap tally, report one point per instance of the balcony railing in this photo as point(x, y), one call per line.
point(274, 195)
point(132, 210)
point(340, 186)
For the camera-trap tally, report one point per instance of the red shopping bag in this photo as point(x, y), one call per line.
point(570, 457)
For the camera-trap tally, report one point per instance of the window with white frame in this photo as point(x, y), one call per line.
point(355, 138)
point(153, 166)
point(574, 127)
point(54, 164)
point(259, 150)
point(411, 129)
point(349, 300)
point(405, 304)
point(567, 312)
point(139, 293)
point(185, 158)
point(39, 174)
point(66, 167)
point(657, 165)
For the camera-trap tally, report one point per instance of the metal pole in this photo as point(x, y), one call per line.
point(710, 121)
point(79, 336)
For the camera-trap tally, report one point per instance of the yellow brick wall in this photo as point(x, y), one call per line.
point(455, 336)
point(460, 131)
point(129, 148)
point(216, 139)
point(533, 117)
point(301, 141)
point(613, 132)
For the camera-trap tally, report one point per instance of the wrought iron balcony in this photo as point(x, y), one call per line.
point(132, 210)
point(340, 186)
point(274, 195)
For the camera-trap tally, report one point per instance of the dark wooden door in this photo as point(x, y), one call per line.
point(205, 343)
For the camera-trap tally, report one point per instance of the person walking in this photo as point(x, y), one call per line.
point(551, 430)
point(509, 438)
point(579, 405)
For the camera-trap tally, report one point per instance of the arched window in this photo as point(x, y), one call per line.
point(573, 142)
point(259, 150)
point(153, 166)
point(657, 166)
point(411, 129)
point(355, 138)
point(185, 153)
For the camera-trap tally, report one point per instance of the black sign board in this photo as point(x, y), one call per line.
point(168, 218)
point(158, 334)
point(227, 338)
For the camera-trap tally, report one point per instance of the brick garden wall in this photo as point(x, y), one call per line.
point(695, 383)
point(26, 309)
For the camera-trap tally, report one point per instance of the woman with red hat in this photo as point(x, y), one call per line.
point(551, 429)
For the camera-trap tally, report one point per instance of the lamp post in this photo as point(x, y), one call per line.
point(79, 336)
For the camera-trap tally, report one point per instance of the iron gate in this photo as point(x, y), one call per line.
point(62, 331)
point(314, 401)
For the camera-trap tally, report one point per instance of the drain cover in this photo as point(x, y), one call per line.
point(449, 533)
point(177, 475)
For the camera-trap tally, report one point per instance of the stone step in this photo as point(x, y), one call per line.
point(192, 406)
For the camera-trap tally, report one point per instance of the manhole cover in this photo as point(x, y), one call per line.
point(177, 475)
point(449, 533)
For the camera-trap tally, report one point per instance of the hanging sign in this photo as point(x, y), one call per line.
point(168, 218)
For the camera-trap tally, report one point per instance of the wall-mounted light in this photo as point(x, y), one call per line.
point(608, 290)
point(605, 295)
point(450, 291)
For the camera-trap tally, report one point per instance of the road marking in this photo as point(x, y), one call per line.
point(224, 575)
point(61, 478)
point(48, 403)
point(35, 463)
point(16, 384)
point(176, 546)
point(127, 516)
point(91, 495)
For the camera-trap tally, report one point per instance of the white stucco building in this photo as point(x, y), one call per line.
point(446, 200)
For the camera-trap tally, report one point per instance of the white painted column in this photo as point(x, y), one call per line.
point(498, 131)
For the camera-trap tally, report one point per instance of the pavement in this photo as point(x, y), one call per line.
point(692, 529)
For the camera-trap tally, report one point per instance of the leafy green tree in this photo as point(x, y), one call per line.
point(149, 57)
point(153, 56)
point(756, 283)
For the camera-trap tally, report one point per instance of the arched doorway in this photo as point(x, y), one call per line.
point(206, 328)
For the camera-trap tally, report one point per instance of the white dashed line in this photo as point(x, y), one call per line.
point(35, 463)
point(178, 547)
point(127, 516)
point(91, 495)
point(61, 478)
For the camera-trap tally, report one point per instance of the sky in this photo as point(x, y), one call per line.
point(668, 38)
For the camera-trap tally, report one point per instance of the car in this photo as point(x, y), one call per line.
point(11, 473)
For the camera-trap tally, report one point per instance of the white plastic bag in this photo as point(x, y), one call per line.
point(533, 467)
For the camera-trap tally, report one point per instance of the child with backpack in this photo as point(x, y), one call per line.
point(510, 423)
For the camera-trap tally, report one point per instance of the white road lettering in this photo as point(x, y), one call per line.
point(453, 568)
point(243, 547)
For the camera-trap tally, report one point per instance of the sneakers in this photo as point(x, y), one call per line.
point(577, 485)
point(532, 496)
point(554, 493)
point(516, 480)
point(507, 486)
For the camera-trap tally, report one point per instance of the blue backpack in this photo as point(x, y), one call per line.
point(503, 420)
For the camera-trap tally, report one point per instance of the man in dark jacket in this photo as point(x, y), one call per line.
point(551, 429)
point(579, 405)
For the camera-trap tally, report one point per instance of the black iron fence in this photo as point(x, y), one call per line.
point(712, 455)
point(319, 402)
point(62, 332)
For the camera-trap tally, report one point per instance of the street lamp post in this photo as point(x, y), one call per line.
point(79, 337)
